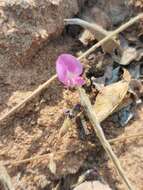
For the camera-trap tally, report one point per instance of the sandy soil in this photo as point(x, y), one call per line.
point(34, 130)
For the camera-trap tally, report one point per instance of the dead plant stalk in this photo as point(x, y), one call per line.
point(100, 134)
point(45, 85)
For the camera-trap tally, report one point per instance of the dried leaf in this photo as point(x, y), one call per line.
point(65, 127)
point(126, 75)
point(129, 54)
point(88, 36)
point(111, 97)
point(137, 3)
point(52, 165)
point(92, 185)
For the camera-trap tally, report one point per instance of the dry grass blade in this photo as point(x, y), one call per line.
point(30, 97)
point(125, 138)
point(31, 159)
point(38, 157)
point(44, 156)
point(5, 180)
point(45, 85)
point(96, 125)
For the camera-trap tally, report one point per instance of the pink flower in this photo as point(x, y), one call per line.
point(69, 70)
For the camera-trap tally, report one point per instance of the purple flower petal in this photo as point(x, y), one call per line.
point(73, 65)
point(79, 81)
point(61, 70)
point(69, 69)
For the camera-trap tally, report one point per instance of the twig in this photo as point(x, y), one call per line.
point(5, 179)
point(115, 140)
point(100, 134)
point(45, 85)
point(18, 162)
point(37, 157)
point(112, 34)
point(85, 24)
point(30, 97)
point(111, 141)
point(97, 31)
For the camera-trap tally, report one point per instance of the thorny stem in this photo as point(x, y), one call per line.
point(45, 85)
point(100, 134)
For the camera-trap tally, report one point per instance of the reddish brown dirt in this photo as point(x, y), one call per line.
point(34, 130)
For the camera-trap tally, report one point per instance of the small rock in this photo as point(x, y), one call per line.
point(92, 185)
point(27, 24)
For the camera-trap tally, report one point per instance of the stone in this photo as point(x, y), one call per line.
point(27, 24)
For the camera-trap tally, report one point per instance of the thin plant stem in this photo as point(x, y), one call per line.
point(85, 24)
point(28, 99)
point(100, 134)
point(126, 137)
